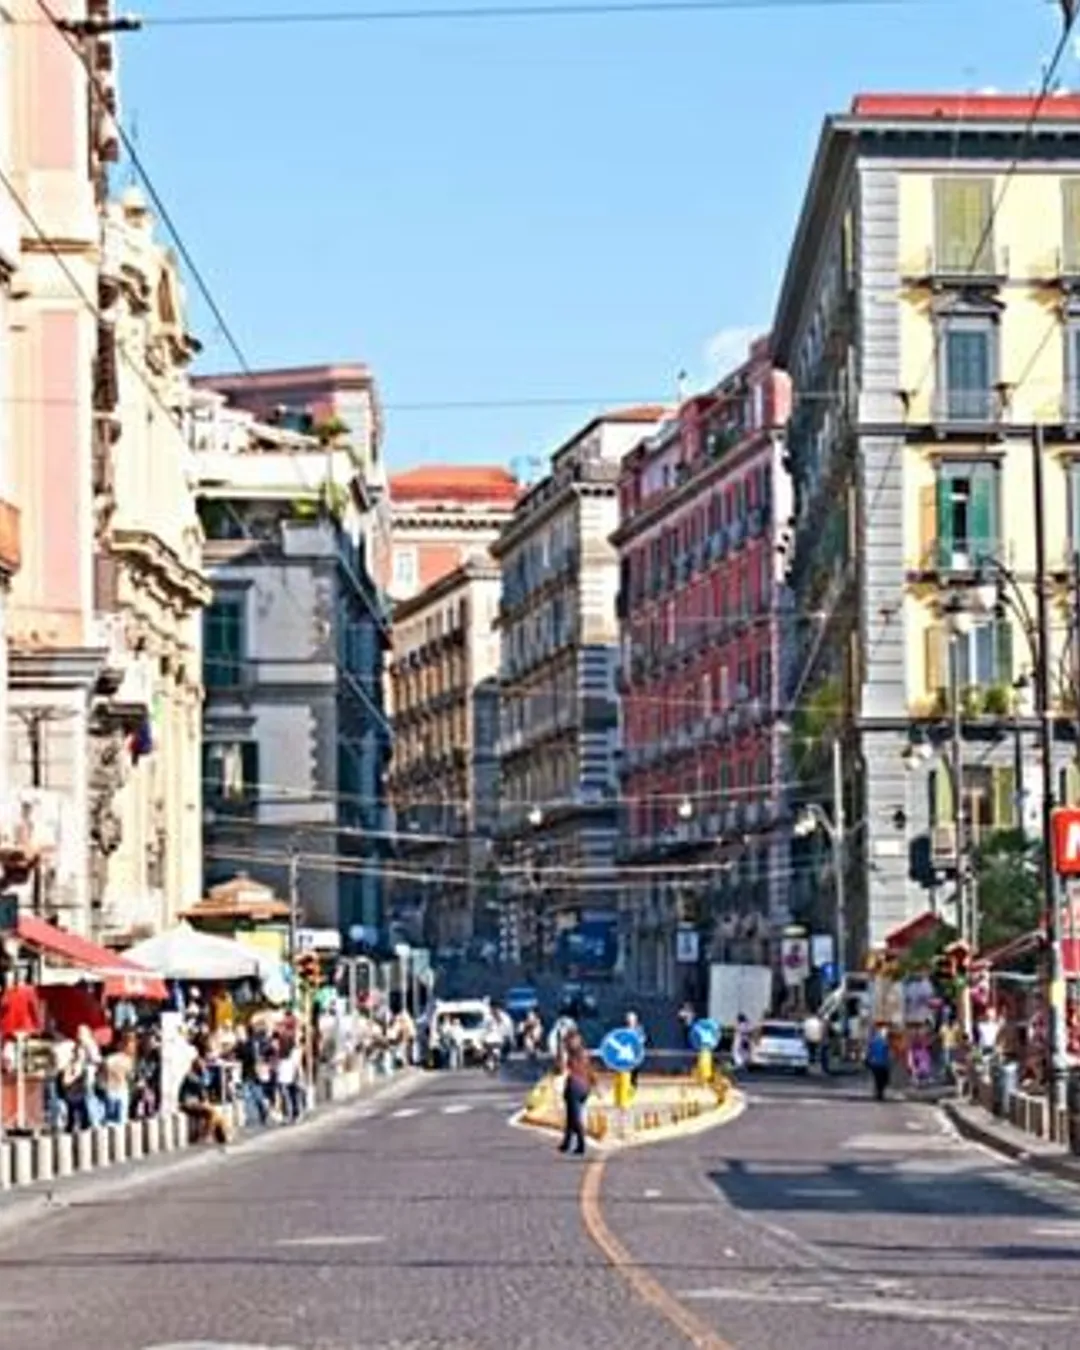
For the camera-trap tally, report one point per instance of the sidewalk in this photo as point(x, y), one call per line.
point(976, 1124)
point(21, 1200)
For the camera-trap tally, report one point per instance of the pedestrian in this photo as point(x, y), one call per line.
point(576, 1089)
point(633, 1023)
point(879, 1060)
point(813, 1034)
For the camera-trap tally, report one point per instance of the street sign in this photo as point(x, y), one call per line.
point(1066, 835)
point(704, 1034)
point(623, 1050)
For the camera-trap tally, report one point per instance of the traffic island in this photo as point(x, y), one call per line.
point(660, 1107)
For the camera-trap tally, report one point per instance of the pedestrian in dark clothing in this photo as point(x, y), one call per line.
point(579, 1081)
point(879, 1061)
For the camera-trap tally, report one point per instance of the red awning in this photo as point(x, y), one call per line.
point(907, 934)
point(122, 978)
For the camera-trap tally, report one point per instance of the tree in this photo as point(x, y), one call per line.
point(1010, 897)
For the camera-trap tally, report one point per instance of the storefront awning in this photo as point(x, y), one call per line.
point(905, 936)
point(122, 978)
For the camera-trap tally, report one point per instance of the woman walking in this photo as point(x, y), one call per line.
point(578, 1085)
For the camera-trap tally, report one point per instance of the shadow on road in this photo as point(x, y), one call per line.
point(875, 1188)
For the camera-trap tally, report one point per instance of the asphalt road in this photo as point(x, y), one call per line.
point(815, 1220)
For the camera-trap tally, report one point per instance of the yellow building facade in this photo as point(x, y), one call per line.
point(930, 318)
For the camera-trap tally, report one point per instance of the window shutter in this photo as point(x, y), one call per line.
point(984, 527)
point(944, 499)
point(928, 523)
point(935, 659)
point(1004, 787)
point(941, 797)
point(1004, 651)
point(963, 209)
point(1070, 224)
point(250, 755)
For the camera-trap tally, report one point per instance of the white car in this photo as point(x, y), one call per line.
point(780, 1045)
point(474, 1015)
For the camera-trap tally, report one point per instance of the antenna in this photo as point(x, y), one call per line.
point(681, 387)
point(133, 137)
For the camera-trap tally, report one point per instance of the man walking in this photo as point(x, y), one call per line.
point(879, 1061)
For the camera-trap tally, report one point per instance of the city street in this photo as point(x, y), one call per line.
point(817, 1219)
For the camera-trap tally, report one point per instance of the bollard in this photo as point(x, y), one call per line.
point(22, 1161)
point(83, 1142)
point(44, 1153)
point(132, 1135)
point(151, 1135)
point(99, 1135)
point(65, 1155)
point(116, 1142)
point(5, 1166)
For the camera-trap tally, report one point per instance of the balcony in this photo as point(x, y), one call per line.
point(978, 263)
point(967, 410)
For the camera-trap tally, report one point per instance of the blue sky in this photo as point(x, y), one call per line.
point(570, 208)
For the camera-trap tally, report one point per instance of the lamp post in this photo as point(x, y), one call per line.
point(814, 817)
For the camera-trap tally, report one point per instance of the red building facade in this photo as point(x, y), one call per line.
point(702, 504)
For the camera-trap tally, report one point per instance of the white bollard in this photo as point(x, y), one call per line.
point(84, 1150)
point(99, 1135)
point(22, 1161)
point(117, 1142)
point(5, 1166)
point(65, 1155)
point(151, 1130)
point(44, 1153)
point(133, 1138)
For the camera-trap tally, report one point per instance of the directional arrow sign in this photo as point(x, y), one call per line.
point(1066, 830)
point(623, 1050)
point(704, 1034)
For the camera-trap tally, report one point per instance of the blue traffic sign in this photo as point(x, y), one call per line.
point(704, 1034)
point(623, 1050)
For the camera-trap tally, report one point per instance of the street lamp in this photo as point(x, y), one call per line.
point(686, 809)
point(810, 820)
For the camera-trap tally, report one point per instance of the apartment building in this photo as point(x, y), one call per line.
point(444, 773)
point(558, 702)
point(442, 515)
point(928, 321)
point(701, 502)
point(297, 740)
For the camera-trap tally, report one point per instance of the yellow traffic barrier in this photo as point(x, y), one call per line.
point(705, 1068)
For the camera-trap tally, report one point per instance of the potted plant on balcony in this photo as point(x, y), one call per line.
point(998, 701)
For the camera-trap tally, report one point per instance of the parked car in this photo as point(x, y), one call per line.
point(779, 1045)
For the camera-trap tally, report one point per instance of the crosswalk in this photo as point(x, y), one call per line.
point(457, 1107)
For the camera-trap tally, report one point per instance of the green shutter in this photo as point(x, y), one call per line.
point(944, 548)
point(984, 525)
point(962, 207)
point(1004, 787)
point(942, 796)
point(1004, 652)
point(1071, 785)
point(1070, 224)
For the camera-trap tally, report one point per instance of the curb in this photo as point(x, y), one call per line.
point(730, 1110)
point(41, 1198)
point(1062, 1168)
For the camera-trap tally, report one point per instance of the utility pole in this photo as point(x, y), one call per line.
point(1056, 999)
point(294, 915)
point(956, 773)
point(839, 856)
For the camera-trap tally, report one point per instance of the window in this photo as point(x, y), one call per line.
point(984, 654)
point(963, 226)
point(967, 369)
point(224, 643)
point(1070, 226)
point(231, 775)
point(968, 519)
point(404, 569)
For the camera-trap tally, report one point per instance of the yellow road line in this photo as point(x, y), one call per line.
point(648, 1289)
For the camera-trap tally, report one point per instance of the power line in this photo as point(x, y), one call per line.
point(480, 13)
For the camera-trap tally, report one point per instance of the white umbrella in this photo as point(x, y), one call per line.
point(183, 953)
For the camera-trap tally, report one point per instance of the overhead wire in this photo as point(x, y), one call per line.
point(466, 13)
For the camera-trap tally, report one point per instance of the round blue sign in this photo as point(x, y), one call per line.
point(704, 1034)
point(623, 1050)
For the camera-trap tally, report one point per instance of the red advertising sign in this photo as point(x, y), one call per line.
point(1066, 833)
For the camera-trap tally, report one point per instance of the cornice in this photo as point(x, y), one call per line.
point(149, 551)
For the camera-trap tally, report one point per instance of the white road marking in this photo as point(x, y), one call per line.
point(899, 1143)
point(1065, 1229)
point(825, 1192)
point(405, 1113)
point(217, 1345)
point(903, 1309)
point(332, 1240)
point(457, 1108)
point(652, 1195)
